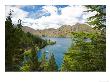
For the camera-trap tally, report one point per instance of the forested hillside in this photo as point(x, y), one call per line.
point(21, 49)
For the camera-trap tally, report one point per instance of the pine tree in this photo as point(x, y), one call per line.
point(44, 63)
point(17, 42)
point(34, 59)
point(52, 64)
point(12, 37)
point(8, 34)
point(88, 55)
point(99, 20)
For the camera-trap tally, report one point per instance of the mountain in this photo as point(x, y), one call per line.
point(63, 31)
point(28, 29)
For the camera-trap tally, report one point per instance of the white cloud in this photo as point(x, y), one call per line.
point(69, 16)
point(89, 14)
point(73, 11)
point(51, 9)
point(17, 14)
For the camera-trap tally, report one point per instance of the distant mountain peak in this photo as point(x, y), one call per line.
point(63, 31)
point(78, 24)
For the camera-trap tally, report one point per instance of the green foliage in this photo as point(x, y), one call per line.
point(99, 20)
point(12, 42)
point(62, 36)
point(49, 42)
point(48, 65)
point(30, 60)
point(88, 51)
point(34, 59)
point(44, 63)
point(21, 47)
point(52, 64)
point(25, 68)
point(85, 54)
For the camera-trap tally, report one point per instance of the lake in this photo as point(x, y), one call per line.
point(58, 49)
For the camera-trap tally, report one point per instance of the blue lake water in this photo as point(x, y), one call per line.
point(58, 49)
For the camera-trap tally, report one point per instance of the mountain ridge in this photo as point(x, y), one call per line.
point(63, 31)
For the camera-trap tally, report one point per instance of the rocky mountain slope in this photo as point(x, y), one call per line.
point(63, 31)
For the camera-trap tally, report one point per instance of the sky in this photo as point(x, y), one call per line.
point(48, 16)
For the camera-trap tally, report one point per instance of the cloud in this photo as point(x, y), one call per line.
point(89, 14)
point(68, 16)
point(73, 11)
point(50, 9)
point(49, 17)
point(17, 14)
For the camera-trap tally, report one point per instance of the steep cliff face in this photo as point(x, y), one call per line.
point(63, 31)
